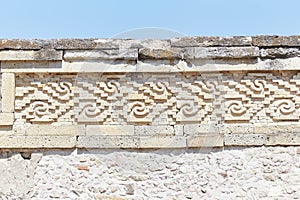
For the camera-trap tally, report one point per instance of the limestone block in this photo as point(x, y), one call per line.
point(37, 141)
point(6, 119)
point(98, 66)
point(8, 92)
point(211, 41)
point(31, 66)
point(44, 54)
point(127, 54)
point(158, 67)
point(279, 52)
point(97, 141)
point(276, 41)
point(213, 140)
point(145, 43)
point(21, 44)
point(286, 138)
point(84, 44)
point(245, 139)
point(162, 142)
point(238, 129)
point(270, 128)
point(110, 130)
point(147, 53)
point(199, 53)
point(201, 129)
point(160, 130)
point(220, 52)
point(178, 129)
point(51, 130)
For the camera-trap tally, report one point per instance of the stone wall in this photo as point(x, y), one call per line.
point(102, 95)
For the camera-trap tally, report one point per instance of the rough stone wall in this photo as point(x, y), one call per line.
point(234, 173)
point(140, 95)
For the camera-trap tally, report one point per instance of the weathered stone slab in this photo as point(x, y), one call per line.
point(21, 44)
point(51, 130)
point(97, 141)
point(96, 66)
point(238, 129)
point(31, 66)
point(43, 54)
point(162, 142)
point(211, 140)
point(201, 129)
point(279, 52)
point(276, 41)
point(211, 41)
point(220, 52)
point(6, 119)
point(199, 53)
point(283, 138)
point(245, 139)
point(127, 54)
point(158, 130)
point(30, 142)
point(8, 92)
point(147, 53)
point(110, 130)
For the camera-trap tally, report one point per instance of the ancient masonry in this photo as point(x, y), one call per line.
point(188, 92)
point(185, 118)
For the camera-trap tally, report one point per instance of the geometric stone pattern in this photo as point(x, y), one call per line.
point(43, 99)
point(175, 93)
point(157, 99)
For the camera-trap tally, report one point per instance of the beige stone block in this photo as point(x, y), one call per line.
point(43, 54)
point(211, 41)
point(162, 142)
point(274, 128)
point(98, 66)
point(97, 141)
point(8, 92)
point(220, 52)
point(109, 130)
point(154, 130)
point(178, 129)
point(244, 139)
point(127, 54)
point(205, 141)
point(237, 129)
point(156, 67)
point(31, 66)
point(50, 130)
point(6, 119)
point(201, 129)
point(37, 141)
point(283, 139)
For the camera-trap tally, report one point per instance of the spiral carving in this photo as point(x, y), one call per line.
point(111, 87)
point(139, 109)
point(90, 110)
point(188, 109)
point(285, 106)
point(258, 86)
point(40, 108)
point(236, 108)
point(64, 90)
point(159, 88)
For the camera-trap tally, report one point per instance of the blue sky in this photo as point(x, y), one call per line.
point(103, 19)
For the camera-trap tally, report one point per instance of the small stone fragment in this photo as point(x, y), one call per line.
point(83, 167)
